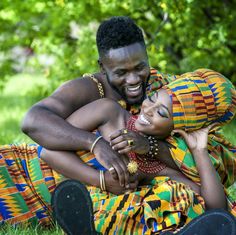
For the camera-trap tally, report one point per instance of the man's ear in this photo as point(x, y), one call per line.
point(102, 70)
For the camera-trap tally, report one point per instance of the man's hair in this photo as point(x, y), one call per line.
point(116, 32)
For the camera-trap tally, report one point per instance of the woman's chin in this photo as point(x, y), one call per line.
point(143, 129)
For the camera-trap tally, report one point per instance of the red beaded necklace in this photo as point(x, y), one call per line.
point(146, 165)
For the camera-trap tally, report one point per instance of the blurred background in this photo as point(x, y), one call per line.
point(44, 43)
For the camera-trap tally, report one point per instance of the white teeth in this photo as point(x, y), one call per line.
point(133, 88)
point(143, 119)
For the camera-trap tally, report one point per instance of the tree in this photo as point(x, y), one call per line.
point(57, 38)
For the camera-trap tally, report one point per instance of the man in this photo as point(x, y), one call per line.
point(124, 76)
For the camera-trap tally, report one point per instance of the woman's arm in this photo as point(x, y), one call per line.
point(98, 114)
point(211, 187)
point(74, 168)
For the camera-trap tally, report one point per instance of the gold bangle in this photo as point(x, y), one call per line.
point(94, 143)
point(102, 181)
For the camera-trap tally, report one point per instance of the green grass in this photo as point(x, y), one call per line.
point(21, 230)
point(17, 97)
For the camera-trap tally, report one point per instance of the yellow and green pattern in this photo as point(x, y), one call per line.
point(162, 205)
point(26, 183)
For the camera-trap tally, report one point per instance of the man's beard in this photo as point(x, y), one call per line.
point(122, 94)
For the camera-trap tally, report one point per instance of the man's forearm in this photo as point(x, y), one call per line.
point(53, 132)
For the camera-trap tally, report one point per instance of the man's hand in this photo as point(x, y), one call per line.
point(124, 141)
point(115, 163)
point(114, 187)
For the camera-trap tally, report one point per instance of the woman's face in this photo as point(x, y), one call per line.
point(155, 117)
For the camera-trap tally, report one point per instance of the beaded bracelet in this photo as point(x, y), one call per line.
point(154, 147)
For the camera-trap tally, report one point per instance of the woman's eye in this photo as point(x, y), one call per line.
point(162, 114)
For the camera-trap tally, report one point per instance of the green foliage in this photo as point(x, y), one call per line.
point(181, 35)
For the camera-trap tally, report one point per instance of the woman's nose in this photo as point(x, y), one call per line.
point(148, 108)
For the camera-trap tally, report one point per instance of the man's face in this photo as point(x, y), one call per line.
point(127, 71)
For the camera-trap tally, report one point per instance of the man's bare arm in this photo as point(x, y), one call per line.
point(45, 121)
point(89, 117)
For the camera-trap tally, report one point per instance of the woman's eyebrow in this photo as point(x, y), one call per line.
point(150, 99)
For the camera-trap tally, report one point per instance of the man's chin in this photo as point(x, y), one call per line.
point(136, 100)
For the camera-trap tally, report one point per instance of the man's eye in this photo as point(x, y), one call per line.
point(120, 73)
point(140, 67)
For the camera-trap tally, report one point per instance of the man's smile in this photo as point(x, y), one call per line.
point(134, 90)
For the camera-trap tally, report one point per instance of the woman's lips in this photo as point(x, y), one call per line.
point(143, 120)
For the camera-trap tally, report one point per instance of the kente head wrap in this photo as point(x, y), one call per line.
point(200, 98)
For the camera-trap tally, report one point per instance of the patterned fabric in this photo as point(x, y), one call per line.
point(26, 183)
point(162, 205)
point(201, 98)
point(223, 156)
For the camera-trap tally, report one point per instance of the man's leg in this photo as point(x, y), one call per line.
point(72, 208)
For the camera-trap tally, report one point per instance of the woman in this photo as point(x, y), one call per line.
point(191, 208)
point(159, 118)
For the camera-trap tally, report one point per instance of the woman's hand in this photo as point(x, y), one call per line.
point(114, 187)
point(124, 141)
point(211, 188)
point(196, 140)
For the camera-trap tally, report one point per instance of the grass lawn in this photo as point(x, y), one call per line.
point(9, 230)
point(16, 99)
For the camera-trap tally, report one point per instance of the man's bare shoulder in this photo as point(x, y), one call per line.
point(78, 83)
point(79, 88)
point(70, 96)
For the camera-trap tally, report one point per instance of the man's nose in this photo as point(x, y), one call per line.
point(132, 79)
